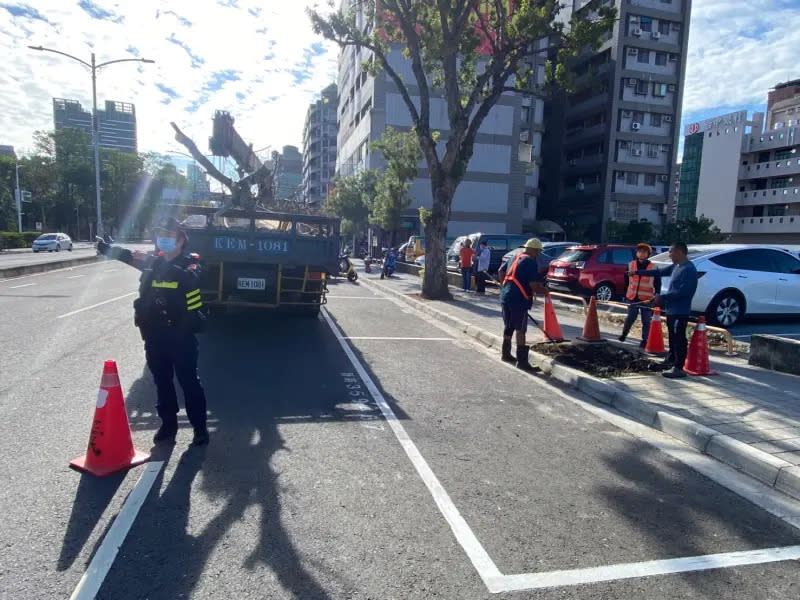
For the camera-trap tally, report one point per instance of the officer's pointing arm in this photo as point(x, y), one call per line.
point(136, 259)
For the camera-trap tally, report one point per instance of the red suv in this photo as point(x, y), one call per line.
point(597, 270)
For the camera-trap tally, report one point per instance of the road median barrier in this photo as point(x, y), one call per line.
point(55, 265)
point(775, 472)
point(775, 353)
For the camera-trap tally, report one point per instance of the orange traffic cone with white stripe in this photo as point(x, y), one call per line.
point(655, 337)
point(697, 358)
point(110, 447)
point(551, 327)
point(591, 328)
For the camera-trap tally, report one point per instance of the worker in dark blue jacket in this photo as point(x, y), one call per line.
point(677, 303)
point(169, 312)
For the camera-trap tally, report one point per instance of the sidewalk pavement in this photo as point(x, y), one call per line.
point(746, 416)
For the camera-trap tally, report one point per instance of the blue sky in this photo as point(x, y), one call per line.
point(261, 61)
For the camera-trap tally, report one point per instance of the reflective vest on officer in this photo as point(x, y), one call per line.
point(511, 275)
point(643, 287)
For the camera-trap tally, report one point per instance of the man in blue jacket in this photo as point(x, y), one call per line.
point(677, 302)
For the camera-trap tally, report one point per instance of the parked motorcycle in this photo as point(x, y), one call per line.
point(367, 265)
point(346, 268)
point(389, 264)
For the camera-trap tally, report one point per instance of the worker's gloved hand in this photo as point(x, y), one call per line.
point(101, 245)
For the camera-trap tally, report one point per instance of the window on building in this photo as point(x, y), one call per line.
point(643, 56)
point(661, 59)
point(781, 182)
point(641, 87)
point(659, 89)
point(663, 27)
point(645, 24)
point(631, 178)
point(655, 119)
point(650, 179)
point(784, 154)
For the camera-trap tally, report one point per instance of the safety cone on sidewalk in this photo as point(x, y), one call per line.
point(110, 447)
point(551, 327)
point(697, 358)
point(591, 328)
point(655, 337)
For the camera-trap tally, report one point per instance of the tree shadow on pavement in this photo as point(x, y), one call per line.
point(681, 513)
point(262, 373)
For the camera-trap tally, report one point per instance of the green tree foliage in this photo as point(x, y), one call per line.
point(351, 199)
point(630, 233)
point(694, 230)
point(469, 52)
point(401, 151)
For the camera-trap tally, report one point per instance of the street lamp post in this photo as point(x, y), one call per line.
point(93, 67)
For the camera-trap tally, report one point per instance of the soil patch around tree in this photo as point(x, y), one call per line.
point(601, 360)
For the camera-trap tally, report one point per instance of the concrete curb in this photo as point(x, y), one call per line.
point(47, 266)
point(775, 472)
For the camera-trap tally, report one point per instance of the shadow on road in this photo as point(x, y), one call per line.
point(684, 514)
point(261, 373)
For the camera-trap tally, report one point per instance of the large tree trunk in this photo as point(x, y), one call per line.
point(434, 284)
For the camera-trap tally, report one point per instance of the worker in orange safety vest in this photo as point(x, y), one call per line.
point(639, 292)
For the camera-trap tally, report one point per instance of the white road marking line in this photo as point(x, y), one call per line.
point(421, 339)
point(92, 579)
point(16, 287)
point(333, 297)
point(480, 559)
point(764, 497)
point(80, 310)
point(529, 581)
point(75, 276)
point(110, 270)
point(94, 264)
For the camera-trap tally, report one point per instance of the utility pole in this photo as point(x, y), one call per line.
point(18, 194)
point(93, 67)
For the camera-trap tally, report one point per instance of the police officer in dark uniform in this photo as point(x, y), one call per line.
point(169, 312)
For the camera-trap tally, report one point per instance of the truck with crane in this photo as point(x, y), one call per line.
point(255, 251)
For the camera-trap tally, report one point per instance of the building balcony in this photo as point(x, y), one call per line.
point(775, 138)
point(586, 132)
point(770, 168)
point(773, 196)
point(785, 224)
point(585, 162)
point(588, 104)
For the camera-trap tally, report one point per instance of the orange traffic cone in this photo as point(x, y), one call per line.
point(591, 328)
point(551, 327)
point(697, 358)
point(655, 337)
point(110, 447)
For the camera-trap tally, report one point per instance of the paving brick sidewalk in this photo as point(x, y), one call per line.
point(758, 407)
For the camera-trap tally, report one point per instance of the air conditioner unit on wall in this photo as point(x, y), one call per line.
point(523, 136)
point(634, 19)
point(632, 82)
point(633, 51)
point(655, 35)
point(672, 87)
point(526, 101)
point(673, 57)
point(668, 118)
point(636, 152)
point(636, 31)
point(663, 178)
point(636, 126)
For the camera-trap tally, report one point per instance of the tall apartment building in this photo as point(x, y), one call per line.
point(288, 173)
point(783, 105)
point(617, 152)
point(116, 124)
point(498, 192)
point(198, 182)
point(319, 145)
point(7, 151)
point(746, 180)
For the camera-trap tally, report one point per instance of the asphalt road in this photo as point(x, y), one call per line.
point(20, 257)
point(307, 491)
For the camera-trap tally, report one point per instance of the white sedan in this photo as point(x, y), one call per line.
point(739, 279)
point(52, 242)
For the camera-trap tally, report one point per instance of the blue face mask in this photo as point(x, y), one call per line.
point(166, 244)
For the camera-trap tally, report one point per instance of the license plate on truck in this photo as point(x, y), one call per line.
point(249, 283)
point(559, 272)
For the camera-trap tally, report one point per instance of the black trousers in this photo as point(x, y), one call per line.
point(678, 344)
point(176, 355)
point(480, 281)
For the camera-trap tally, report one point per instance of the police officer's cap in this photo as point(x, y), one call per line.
point(172, 225)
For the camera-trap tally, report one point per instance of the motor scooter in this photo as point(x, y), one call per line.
point(346, 268)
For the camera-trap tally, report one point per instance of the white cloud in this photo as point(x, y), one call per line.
point(209, 55)
point(738, 51)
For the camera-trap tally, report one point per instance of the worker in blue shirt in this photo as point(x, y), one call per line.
point(677, 303)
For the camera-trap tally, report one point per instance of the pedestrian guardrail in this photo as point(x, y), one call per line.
point(721, 330)
point(580, 299)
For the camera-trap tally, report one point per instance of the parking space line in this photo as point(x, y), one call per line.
point(480, 559)
point(531, 581)
point(94, 576)
point(80, 310)
point(415, 339)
